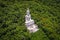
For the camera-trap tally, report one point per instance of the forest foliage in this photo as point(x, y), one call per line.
point(46, 14)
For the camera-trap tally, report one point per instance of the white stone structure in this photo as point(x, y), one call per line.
point(30, 23)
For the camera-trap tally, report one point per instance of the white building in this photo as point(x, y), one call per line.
point(30, 23)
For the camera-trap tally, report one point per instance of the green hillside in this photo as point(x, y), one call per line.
point(46, 14)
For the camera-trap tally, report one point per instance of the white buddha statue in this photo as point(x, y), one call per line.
point(30, 23)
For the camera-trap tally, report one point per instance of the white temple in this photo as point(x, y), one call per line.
point(30, 23)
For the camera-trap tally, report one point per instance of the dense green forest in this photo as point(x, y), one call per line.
point(46, 14)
